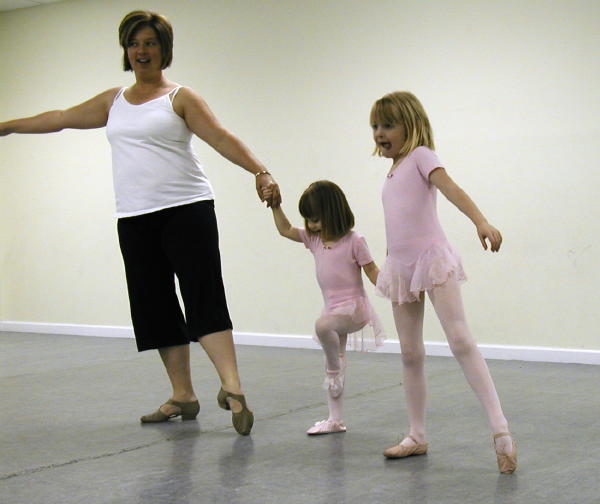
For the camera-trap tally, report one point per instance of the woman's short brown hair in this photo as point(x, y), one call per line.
point(404, 108)
point(135, 20)
point(325, 201)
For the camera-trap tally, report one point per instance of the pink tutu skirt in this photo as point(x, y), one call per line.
point(403, 282)
point(371, 334)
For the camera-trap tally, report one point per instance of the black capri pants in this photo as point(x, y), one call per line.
point(182, 241)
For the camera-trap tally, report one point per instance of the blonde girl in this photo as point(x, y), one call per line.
point(420, 259)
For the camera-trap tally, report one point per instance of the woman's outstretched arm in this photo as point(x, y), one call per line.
point(202, 122)
point(90, 114)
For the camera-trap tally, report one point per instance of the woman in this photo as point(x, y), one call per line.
point(166, 214)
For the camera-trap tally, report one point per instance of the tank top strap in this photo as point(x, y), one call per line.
point(173, 93)
point(119, 93)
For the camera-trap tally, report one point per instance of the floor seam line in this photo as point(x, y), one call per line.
point(26, 472)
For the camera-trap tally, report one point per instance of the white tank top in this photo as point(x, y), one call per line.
point(154, 166)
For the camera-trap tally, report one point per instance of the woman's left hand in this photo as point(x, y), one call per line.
point(488, 231)
point(268, 190)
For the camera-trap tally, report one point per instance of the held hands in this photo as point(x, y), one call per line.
point(268, 190)
point(486, 230)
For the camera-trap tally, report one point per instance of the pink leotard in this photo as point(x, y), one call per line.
point(338, 269)
point(419, 254)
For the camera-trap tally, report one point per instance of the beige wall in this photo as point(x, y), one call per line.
point(512, 89)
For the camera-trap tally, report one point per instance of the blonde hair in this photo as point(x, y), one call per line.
point(136, 20)
point(403, 108)
point(325, 201)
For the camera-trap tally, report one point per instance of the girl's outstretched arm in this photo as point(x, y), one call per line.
point(283, 225)
point(461, 200)
point(92, 113)
point(372, 272)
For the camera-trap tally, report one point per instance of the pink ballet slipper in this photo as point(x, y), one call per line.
point(334, 384)
point(401, 451)
point(334, 380)
point(326, 427)
point(507, 462)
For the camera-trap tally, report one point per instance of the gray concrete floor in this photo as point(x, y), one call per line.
point(69, 431)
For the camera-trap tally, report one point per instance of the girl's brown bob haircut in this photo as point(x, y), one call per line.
point(135, 20)
point(404, 108)
point(325, 201)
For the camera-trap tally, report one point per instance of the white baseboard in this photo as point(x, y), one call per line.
point(67, 329)
point(433, 348)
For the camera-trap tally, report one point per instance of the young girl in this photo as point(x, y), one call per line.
point(420, 259)
point(340, 253)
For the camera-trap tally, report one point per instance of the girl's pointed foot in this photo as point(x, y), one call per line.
point(334, 382)
point(507, 461)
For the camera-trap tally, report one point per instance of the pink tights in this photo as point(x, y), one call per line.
point(447, 302)
point(332, 331)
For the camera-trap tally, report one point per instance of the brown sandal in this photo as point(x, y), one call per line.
point(243, 420)
point(187, 411)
